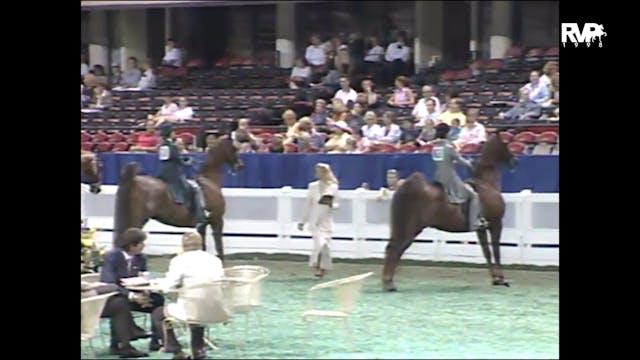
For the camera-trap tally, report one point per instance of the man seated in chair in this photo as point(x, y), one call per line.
point(128, 261)
point(194, 266)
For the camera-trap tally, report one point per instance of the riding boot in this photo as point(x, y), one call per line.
point(476, 220)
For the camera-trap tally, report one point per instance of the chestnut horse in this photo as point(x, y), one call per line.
point(140, 198)
point(90, 171)
point(417, 205)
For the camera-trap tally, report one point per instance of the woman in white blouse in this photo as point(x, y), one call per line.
point(322, 200)
point(300, 75)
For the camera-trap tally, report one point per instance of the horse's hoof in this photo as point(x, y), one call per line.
point(498, 282)
point(389, 286)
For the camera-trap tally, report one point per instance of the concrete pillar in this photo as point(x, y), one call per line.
point(429, 32)
point(168, 24)
point(241, 32)
point(474, 42)
point(98, 37)
point(500, 40)
point(132, 34)
point(285, 33)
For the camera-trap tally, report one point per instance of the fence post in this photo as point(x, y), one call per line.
point(285, 207)
point(524, 222)
point(359, 220)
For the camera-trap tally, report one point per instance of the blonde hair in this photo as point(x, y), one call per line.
point(191, 241)
point(330, 175)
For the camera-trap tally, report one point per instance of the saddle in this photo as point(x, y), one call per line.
point(464, 207)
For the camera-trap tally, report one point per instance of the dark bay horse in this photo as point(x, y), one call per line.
point(418, 204)
point(90, 171)
point(140, 198)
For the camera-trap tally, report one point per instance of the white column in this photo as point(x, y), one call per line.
point(429, 32)
point(500, 40)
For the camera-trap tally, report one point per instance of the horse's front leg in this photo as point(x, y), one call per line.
point(495, 229)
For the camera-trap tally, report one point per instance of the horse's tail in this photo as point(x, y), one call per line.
point(123, 202)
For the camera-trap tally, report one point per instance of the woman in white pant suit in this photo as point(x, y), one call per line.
point(321, 204)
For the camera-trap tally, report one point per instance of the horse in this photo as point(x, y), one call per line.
point(141, 198)
point(90, 171)
point(417, 205)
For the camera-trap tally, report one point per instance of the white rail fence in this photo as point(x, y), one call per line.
point(264, 221)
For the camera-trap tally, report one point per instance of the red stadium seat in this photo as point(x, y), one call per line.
point(548, 137)
point(526, 137)
point(426, 148)
point(132, 138)
point(85, 137)
point(187, 138)
point(470, 149)
point(408, 148)
point(535, 52)
point(100, 137)
point(104, 147)
point(506, 136)
point(554, 51)
point(88, 146)
point(121, 146)
point(514, 52)
point(116, 137)
point(387, 148)
point(290, 148)
point(265, 136)
point(448, 76)
point(517, 148)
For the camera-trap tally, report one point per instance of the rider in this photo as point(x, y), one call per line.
point(445, 156)
point(171, 171)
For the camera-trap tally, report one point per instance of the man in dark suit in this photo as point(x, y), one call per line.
point(128, 261)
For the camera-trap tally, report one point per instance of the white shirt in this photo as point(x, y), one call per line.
point(172, 57)
point(420, 110)
point(392, 135)
point(184, 114)
point(397, 51)
point(147, 81)
point(320, 217)
point(545, 80)
point(304, 72)
point(373, 132)
point(375, 54)
point(473, 135)
point(315, 55)
point(345, 96)
point(84, 69)
point(168, 109)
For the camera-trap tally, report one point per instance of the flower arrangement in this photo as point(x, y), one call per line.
point(91, 255)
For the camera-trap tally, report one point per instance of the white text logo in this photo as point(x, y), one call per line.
point(589, 34)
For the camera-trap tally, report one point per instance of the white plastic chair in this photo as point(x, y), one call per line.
point(91, 310)
point(246, 299)
point(347, 291)
point(204, 304)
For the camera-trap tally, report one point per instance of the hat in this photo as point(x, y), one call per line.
point(342, 126)
point(166, 129)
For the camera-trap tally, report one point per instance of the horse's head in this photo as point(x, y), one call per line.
point(225, 152)
point(495, 150)
point(90, 169)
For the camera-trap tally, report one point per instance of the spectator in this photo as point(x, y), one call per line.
point(148, 79)
point(538, 92)
point(116, 75)
point(210, 140)
point(346, 93)
point(430, 114)
point(355, 119)
point(320, 113)
point(342, 60)
point(242, 135)
point(371, 130)
point(316, 57)
point(421, 111)
point(84, 99)
point(428, 132)
point(408, 133)
point(340, 111)
point(525, 109)
point(451, 94)
point(172, 55)
point(375, 53)
point(397, 57)
point(393, 183)
point(473, 132)
point(332, 81)
point(307, 134)
point(390, 131)
point(95, 76)
point(131, 75)
point(549, 69)
point(276, 145)
point(554, 89)
point(289, 119)
point(358, 144)
point(184, 112)
point(166, 112)
point(453, 111)
point(337, 143)
point(148, 140)
point(300, 75)
point(402, 94)
point(369, 93)
point(103, 97)
point(182, 149)
point(84, 66)
point(454, 133)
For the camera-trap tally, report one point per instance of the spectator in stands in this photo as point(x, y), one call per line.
point(451, 94)
point(340, 111)
point(166, 112)
point(289, 119)
point(454, 132)
point(390, 131)
point(102, 96)
point(369, 93)
point(316, 57)
point(355, 118)
point(183, 112)
point(84, 98)
point(131, 75)
point(148, 79)
point(430, 114)
point(116, 75)
point(538, 92)
point(454, 111)
point(306, 129)
point(84, 65)
point(393, 183)
point(421, 110)
point(331, 82)
point(371, 130)
point(172, 55)
point(473, 132)
point(210, 141)
point(549, 69)
point(95, 76)
point(397, 57)
point(408, 133)
point(346, 93)
point(428, 132)
point(182, 148)
point(374, 55)
point(402, 94)
point(242, 135)
point(320, 113)
point(148, 140)
point(525, 109)
point(337, 143)
point(554, 89)
point(300, 75)
point(342, 60)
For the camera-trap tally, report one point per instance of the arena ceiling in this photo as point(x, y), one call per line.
point(107, 5)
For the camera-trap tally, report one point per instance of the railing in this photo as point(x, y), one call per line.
point(264, 221)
